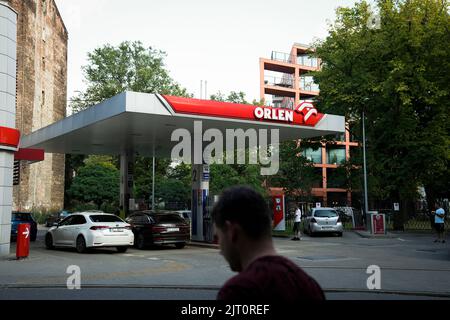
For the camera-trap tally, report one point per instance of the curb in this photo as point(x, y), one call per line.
point(365, 234)
point(203, 245)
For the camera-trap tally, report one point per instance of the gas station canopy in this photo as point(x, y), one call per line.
point(140, 121)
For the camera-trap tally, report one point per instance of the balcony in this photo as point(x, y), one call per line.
point(307, 84)
point(285, 81)
point(303, 60)
point(283, 57)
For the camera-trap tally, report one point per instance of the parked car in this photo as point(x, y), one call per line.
point(161, 227)
point(84, 230)
point(23, 217)
point(185, 214)
point(323, 220)
point(51, 220)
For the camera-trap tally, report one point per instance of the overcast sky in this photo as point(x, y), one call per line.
point(217, 41)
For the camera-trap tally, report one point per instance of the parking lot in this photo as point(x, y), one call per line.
point(412, 267)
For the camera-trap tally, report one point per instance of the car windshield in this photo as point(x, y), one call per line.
point(21, 217)
point(104, 218)
point(325, 213)
point(167, 218)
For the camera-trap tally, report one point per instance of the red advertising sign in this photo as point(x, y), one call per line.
point(278, 212)
point(23, 240)
point(305, 114)
point(378, 224)
point(9, 137)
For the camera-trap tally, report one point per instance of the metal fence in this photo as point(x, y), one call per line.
point(420, 222)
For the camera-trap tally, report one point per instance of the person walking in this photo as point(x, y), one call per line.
point(297, 222)
point(243, 229)
point(439, 223)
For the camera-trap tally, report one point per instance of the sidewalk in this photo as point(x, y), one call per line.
point(203, 244)
point(367, 234)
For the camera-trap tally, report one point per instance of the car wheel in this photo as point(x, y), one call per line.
point(81, 244)
point(140, 241)
point(180, 245)
point(33, 238)
point(49, 241)
point(339, 234)
point(122, 249)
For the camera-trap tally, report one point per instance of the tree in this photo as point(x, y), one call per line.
point(96, 182)
point(398, 74)
point(296, 175)
point(129, 66)
point(235, 97)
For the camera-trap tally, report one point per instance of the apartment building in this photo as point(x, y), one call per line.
point(286, 79)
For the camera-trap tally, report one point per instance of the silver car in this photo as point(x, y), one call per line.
point(322, 220)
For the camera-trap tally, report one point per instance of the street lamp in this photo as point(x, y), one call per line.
point(366, 204)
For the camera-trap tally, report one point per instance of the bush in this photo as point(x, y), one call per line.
point(108, 207)
point(40, 214)
point(81, 206)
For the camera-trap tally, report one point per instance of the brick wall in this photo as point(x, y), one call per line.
point(41, 97)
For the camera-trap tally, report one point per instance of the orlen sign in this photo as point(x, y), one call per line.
point(304, 114)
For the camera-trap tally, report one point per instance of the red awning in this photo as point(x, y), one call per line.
point(33, 155)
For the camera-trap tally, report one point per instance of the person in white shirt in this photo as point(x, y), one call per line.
point(297, 221)
point(439, 225)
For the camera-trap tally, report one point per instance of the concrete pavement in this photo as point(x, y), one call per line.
point(412, 267)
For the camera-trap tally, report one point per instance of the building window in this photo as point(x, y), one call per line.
point(43, 63)
point(43, 98)
point(313, 155)
point(336, 178)
point(335, 155)
point(318, 178)
point(44, 7)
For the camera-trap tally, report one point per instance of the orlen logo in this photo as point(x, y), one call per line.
point(309, 112)
point(305, 114)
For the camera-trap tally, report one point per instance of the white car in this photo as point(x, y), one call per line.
point(323, 220)
point(83, 230)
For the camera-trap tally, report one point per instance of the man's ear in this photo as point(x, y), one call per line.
point(233, 231)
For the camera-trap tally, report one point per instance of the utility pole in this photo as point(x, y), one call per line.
point(153, 183)
point(366, 204)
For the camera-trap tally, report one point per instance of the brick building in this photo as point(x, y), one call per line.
point(41, 97)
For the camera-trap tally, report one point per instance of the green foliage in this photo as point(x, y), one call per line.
point(110, 71)
point(40, 214)
point(224, 176)
point(128, 67)
point(97, 183)
point(79, 206)
point(235, 97)
point(296, 175)
point(398, 74)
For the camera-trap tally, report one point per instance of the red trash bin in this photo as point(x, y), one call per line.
point(23, 240)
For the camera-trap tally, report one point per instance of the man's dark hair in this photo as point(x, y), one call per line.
point(245, 206)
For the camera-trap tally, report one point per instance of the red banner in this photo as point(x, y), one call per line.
point(278, 210)
point(378, 223)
